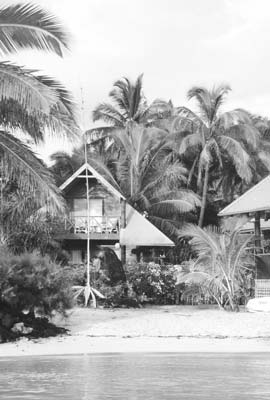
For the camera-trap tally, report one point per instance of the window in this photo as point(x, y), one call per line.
point(80, 207)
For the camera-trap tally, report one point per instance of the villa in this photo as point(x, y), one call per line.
point(112, 221)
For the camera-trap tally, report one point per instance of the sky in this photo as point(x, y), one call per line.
point(176, 44)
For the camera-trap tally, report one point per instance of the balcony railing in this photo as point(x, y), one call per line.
point(97, 224)
point(264, 248)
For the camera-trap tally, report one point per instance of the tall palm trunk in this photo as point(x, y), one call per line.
point(131, 180)
point(204, 195)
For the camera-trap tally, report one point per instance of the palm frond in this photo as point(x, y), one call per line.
point(31, 175)
point(186, 120)
point(202, 240)
point(166, 208)
point(173, 175)
point(99, 165)
point(162, 193)
point(165, 225)
point(137, 99)
point(41, 97)
point(14, 116)
point(238, 155)
point(246, 133)
point(209, 101)
point(232, 118)
point(160, 109)
point(193, 140)
point(264, 158)
point(109, 114)
point(121, 94)
point(203, 97)
point(28, 26)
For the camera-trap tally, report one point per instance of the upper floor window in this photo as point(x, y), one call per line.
point(80, 207)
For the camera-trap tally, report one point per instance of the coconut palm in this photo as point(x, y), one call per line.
point(210, 135)
point(31, 104)
point(147, 178)
point(129, 104)
point(222, 266)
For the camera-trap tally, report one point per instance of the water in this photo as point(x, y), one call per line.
point(136, 377)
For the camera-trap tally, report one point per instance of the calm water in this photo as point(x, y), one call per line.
point(140, 376)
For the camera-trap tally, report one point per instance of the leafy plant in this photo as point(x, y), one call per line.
point(222, 266)
point(153, 283)
point(31, 104)
point(33, 284)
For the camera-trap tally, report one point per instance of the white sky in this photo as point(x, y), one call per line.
point(175, 43)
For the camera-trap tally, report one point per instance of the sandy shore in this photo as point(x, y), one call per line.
point(154, 329)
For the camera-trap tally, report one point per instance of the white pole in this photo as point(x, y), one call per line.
point(87, 199)
point(88, 217)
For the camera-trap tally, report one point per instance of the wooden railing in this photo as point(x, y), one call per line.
point(96, 224)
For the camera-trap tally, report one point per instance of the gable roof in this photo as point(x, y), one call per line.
point(94, 173)
point(139, 231)
point(255, 199)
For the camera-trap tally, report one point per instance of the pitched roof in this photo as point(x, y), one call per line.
point(94, 173)
point(141, 232)
point(255, 199)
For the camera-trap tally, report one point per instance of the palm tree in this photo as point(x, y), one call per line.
point(147, 178)
point(30, 103)
point(209, 136)
point(129, 105)
point(222, 267)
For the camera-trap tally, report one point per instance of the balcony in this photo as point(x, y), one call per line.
point(264, 248)
point(99, 227)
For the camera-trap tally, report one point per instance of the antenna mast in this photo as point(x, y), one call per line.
point(87, 195)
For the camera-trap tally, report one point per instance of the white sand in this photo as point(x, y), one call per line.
point(154, 329)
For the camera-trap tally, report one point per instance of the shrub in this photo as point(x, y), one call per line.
point(153, 283)
point(34, 283)
point(32, 287)
point(121, 295)
point(146, 283)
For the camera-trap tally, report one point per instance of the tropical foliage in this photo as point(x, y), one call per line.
point(222, 267)
point(147, 283)
point(171, 162)
point(213, 138)
point(129, 105)
point(31, 104)
point(32, 287)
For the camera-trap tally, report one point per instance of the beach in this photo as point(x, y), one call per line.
point(151, 329)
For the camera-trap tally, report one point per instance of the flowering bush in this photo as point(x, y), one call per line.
point(146, 283)
point(153, 283)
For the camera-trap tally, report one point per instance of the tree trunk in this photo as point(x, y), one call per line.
point(123, 225)
point(204, 195)
point(257, 232)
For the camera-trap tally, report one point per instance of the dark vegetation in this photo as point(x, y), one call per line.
point(32, 289)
